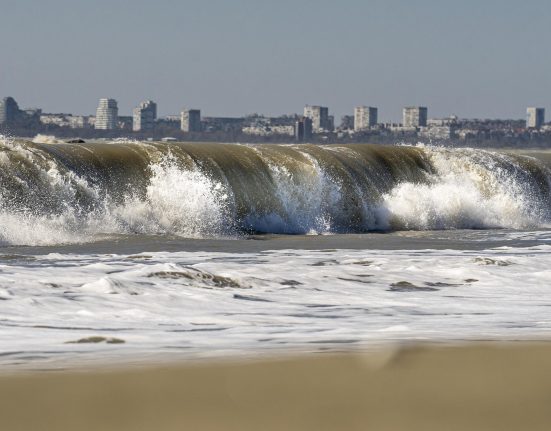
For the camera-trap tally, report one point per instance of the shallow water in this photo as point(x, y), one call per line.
point(225, 298)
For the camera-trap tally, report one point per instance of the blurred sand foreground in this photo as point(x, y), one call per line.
point(479, 387)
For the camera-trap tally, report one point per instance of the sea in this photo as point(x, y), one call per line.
point(127, 252)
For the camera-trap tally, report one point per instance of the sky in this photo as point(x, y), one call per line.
point(471, 58)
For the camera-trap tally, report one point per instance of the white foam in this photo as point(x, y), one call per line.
point(195, 303)
point(178, 201)
point(471, 189)
point(306, 197)
point(46, 139)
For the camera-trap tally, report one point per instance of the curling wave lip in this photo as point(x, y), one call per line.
point(67, 193)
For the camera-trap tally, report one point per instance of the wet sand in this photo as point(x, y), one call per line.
point(475, 387)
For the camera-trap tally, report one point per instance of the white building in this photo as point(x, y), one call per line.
point(415, 116)
point(65, 120)
point(535, 117)
point(78, 121)
point(320, 118)
point(144, 116)
point(439, 122)
point(365, 117)
point(438, 132)
point(268, 130)
point(107, 114)
point(190, 120)
point(54, 119)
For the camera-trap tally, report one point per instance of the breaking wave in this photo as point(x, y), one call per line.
point(53, 193)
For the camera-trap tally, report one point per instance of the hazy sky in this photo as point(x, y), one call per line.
point(473, 58)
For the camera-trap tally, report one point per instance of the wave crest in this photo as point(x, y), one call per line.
point(61, 193)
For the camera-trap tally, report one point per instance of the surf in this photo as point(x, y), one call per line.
point(53, 193)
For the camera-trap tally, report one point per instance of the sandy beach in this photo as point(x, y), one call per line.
point(473, 387)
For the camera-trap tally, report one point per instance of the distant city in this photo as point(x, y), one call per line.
point(315, 124)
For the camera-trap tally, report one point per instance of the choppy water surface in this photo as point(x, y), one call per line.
point(131, 251)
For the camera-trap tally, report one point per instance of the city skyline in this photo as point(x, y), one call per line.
point(245, 57)
point(412, 116)
point(325, 109)
point(315, 120)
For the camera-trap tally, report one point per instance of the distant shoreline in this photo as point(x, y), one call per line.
point(91, 135)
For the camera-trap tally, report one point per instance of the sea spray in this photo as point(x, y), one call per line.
point(307, 198)
point(472, 189)
point(182, 202)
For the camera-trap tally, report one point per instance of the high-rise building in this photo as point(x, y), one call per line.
point(535, 117)
point(415, 116)
point(303, 129)
point(319, 116)
point(330, 123)
point(144, 116)
point(9, 110)
point(365, 117)
point(190, 120)
point(107, 114)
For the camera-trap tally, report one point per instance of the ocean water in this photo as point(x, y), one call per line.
point(128, 252)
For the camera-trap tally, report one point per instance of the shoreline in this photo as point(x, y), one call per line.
point(476, 386)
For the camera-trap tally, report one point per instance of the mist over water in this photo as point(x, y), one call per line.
point(53, 193)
